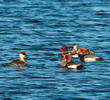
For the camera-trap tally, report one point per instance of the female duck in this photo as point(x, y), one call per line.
point(74, 51)
point(20, 62)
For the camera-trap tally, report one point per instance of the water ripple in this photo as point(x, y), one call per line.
point(40, 28)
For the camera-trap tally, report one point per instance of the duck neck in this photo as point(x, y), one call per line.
point(64, 52)
point(21, 57)
point(68, 57)
point(75, 48)
point(81, 57)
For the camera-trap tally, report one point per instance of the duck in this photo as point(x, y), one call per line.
point(20, 62)
point(90, 58)
point(64, 50)
point(87, 55)
point(85, 51)
point(69, 64)
point(74, 51)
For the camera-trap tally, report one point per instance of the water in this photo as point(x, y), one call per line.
point(40, 28)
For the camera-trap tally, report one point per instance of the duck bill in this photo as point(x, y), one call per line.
point(71, 47)
point(28, 58)
point(79, 52)
point(61, 50)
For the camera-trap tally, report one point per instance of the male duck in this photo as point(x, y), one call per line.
point(66, 62)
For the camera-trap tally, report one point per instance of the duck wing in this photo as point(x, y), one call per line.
point(90, 52)
point(91, 56)
point(17, 63)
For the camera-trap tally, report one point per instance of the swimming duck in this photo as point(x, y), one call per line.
point(87, 55)
point(20, 62)
point(85, 51)
point(74, 51)
point(66, 62)
point(64, 50)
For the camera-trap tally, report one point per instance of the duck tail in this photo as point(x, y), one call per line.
point(100, 59)
point(81, 67)
point(9, 64)
point(83, 63)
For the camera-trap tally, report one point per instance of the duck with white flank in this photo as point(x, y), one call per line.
point(86, 56)
point(67, 63)
point(90, 58)
point(67, 60)
point(74, 51)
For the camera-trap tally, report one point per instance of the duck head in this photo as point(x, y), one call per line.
point(74, 46)
point(64, 49)
point(22, 55)
point(82, 51)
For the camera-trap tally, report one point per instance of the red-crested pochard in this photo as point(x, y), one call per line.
point(20, 62)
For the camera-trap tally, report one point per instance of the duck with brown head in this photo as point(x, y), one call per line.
point(88, 55)
point(64, 50)
point(69, 64)
point(20, 62)
point(85, 51)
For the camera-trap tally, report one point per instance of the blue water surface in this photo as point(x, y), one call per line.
point(40, 28)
